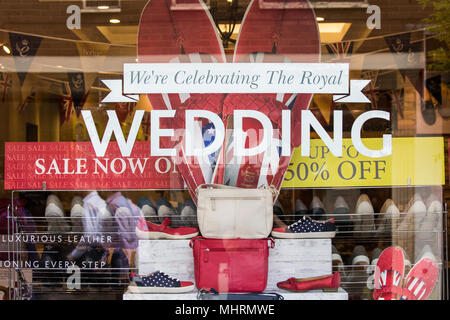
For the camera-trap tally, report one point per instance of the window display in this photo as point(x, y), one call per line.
point(224, 150)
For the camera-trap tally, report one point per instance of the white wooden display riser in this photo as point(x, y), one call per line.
point(310, 295)
point(298, 258)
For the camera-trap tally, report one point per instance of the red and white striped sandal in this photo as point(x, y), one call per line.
point(420, 281)
point(389, 273)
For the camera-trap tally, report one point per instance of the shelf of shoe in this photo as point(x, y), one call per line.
point(341, 294)
point(299, 258)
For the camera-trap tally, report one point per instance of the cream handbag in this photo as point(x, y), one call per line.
point(225, 212)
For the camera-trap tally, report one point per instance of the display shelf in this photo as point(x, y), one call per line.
point(299, 258)
point(341, 294)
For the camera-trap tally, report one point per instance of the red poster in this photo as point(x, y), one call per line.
point(75, 166)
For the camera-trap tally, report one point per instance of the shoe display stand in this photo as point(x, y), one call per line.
point(289, 258)
point(300, 258)
point(415, 228)
point(29, 279)
point(17, 282)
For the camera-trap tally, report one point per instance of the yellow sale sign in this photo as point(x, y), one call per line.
point(415, 161)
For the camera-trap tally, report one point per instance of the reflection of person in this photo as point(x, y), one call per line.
point(96, 219)
point(126, 215)
point(100, 218)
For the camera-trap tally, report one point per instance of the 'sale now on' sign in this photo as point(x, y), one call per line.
point(74, 166)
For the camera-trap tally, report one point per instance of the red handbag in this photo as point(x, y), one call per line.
point(231, 265)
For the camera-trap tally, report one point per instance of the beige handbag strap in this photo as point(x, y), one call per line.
point(222, 186)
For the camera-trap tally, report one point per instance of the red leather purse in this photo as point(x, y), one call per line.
point(231, 265)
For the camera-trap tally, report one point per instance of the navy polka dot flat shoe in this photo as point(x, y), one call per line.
point(158, 282)
point(306, 228)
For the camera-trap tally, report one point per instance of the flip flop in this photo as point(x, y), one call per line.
point(277, 31)
point(389, 273)
point(420, 281)
point(181, 36)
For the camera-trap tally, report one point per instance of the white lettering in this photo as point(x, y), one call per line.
point(190, 140)
point(308, 120)
point(356, 135)
point(156, 132)
point(40, 164)
point(66, 167)
point(286, 133)
point(74, 20)
point(122, 163)
point(138, 163)
point(81, 164)
point(158, 167)
point(99, 164)
point(374, 21)
point(113, 125)
point(53, 166)
point(239, 134)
